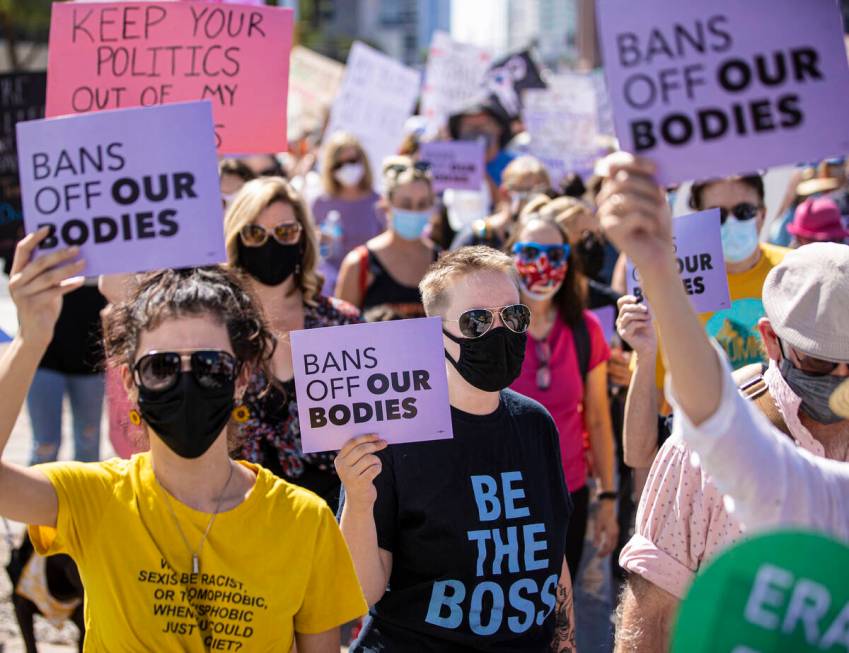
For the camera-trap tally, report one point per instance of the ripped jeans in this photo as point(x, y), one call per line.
point(44, 403)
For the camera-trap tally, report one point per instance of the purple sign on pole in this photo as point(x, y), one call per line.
point(710, 88)
point(386, 378)
point(455, 164)
point(135, 189)
point(698, 250)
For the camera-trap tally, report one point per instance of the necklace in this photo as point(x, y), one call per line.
point(196, 553)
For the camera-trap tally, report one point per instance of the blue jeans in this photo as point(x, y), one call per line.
point(44, 403)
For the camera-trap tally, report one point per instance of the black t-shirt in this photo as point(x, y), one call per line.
point(477, 530)
point(77, 346)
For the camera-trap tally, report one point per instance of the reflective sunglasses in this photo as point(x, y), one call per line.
point(809, 364)
point(397, 168)
point(253, 235)
point(159, 371)
point(477, 321)
point(530, 252)
point(743, 211)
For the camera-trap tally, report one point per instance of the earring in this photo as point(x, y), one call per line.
point(135, 417)
point(241, 414)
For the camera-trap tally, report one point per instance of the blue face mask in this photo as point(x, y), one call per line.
point(410, 225)
point(739, 239)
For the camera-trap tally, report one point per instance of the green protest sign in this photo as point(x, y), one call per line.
point(785, 591)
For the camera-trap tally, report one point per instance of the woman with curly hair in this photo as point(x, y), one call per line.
point(175, 546)
point(271, 236)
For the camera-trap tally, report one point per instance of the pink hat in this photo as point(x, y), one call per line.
point(818, 219)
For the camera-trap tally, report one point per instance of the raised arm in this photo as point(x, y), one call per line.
point(639, 433)
point(37, 288)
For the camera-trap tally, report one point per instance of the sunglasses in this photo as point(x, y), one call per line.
point(253, 235)
point(345, 162)
point(810, 365)
point(477, 321)
point(543, 351)
point(159, 371)
point(743, 211)
point(397, 168)
point(531, 252)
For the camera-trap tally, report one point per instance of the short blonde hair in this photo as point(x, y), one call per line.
point(442, 275)
point(335, 144)
point(524, 166)
point(256, 196)
point(401, 170)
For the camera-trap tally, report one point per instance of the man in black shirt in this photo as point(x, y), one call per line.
point(459, 544)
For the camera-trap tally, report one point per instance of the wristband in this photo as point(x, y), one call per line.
point(608, 496)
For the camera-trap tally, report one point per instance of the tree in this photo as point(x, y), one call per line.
point(23, 20)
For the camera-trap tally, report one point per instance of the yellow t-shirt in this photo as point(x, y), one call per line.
point(273, 565)
point(736, 328)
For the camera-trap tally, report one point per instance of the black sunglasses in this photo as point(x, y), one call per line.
point(397, 168)
point(159, 371)
point(476, 322)
point(743, 211)
point(809, 364)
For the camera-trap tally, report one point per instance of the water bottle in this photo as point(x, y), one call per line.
point(331, 231)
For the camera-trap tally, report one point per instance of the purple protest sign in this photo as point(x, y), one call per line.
point(709, 88)
point(607, 318)
point(386, 378)
point(135, 189)
point(698, 250)
point(455, 164)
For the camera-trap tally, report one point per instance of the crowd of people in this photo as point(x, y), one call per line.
point(595, 468)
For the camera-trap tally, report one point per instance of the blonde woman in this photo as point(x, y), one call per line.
point(271, 237)
point(386, 271)
point(348, 191)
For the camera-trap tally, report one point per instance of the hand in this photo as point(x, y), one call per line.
point(37, 287)
point(634, 213)
point(606, 529)
point(634, 325)
point(357, 467)
point(619, 367)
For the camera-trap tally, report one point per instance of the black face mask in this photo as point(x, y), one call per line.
point(188, 418)
point(491, 362)
point(270, 264)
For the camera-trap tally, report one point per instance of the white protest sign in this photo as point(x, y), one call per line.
point(314, 81)
point(386, 378)
point(561, 121)
point(377, 96)
point(698, 251)
point(454, 78)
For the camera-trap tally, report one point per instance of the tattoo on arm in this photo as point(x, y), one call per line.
point(564, 622)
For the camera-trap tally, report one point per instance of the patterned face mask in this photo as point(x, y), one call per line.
point(542, 268)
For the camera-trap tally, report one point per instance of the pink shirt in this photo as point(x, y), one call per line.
point(683, 519)
point(564, 397)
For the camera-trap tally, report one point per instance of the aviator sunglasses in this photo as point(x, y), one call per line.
point(477, 321)
point(531, 252)
point(159, 371)
point(253, 235)
point(743, 211)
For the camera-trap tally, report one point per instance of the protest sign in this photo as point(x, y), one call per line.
point(711, 88)
point(21, 98)
point(698, 251)
point(386, 378)
point(607, 318)
point(455, 164)
point(313, 83)
point(453, 79)
point(376, 98)
point(509, 78)
point(604, 112)
point(129, 54)
point(135, 189)
point(561, 120)
point(783, 591)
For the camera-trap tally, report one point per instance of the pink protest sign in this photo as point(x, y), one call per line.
point(455, 164)
point(710, 88)
point(135, 189)
point(386, 378)
point(128, 54)
point(698, 251)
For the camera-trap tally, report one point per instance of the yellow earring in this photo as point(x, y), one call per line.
point(135, 417)
point(241, 414)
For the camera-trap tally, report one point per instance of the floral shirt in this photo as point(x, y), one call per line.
point(272, 434)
